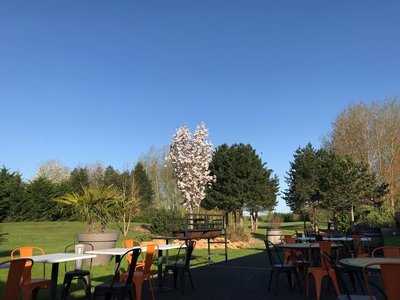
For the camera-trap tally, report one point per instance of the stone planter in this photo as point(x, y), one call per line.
point(100, 241)
point(274, 235)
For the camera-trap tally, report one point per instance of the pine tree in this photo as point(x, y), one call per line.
point(242, 181)
point(11, 194)
point(143, 184)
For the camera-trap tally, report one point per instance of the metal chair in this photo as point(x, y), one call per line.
point(11, 290)
point(117, 289)
point(80, 273)
point(386, 251)
point(182, 266)
point(30, 286)
point(325, 270)
point(277, 266)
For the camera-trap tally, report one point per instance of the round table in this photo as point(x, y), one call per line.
point(360, 263)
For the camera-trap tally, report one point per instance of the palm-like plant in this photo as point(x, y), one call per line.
point(94, 205)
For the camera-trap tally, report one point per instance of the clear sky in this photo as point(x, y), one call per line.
point(103, 81)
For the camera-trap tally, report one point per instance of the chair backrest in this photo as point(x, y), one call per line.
point(134, 253)
point(190, 245)
point(289, 239)
point(23, 252)
point(325, 247)
point(148, 261)
point(387, 251)
point(129, 243)
point(272, 253)
point(390, 273)
point(11, 290)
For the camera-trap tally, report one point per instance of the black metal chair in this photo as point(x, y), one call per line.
point(277, 267)
point(81, 271)
point(181, 266)
point(116, 289)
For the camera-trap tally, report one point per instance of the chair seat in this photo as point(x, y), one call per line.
point(284, 266)
point(37, 283)
point(77, 273)
point(355, 297)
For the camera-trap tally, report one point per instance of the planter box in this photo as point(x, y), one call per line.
point(100, 241)
point(274, 235)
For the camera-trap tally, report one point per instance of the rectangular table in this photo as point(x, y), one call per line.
point(55, 259)
point(118, 252)
point(337, 239)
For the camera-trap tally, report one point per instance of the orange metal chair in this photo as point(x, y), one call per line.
point(144, 273)
point(388, 251)
point(325, 270)
point(130, 243)
point(16, 270)
point(358, 247)
point(28, 285)
point(288, 254)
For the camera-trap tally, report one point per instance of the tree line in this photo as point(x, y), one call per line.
point(34, 200)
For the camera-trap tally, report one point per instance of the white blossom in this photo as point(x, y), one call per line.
point(190, 156)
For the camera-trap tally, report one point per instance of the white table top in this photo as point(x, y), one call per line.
point(343, 239)
point(122, 251)
point(303, 245)
point(361, 262)
point(60, 257)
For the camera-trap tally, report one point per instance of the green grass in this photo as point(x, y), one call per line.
point(54, 236)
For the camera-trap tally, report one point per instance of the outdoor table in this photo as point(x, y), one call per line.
point(357, 265)
point(55, 259)
point(118, 252)
point(334, 239)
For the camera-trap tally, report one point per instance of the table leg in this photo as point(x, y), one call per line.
point(54, 278)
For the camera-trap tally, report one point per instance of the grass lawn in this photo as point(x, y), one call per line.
point(54, 236)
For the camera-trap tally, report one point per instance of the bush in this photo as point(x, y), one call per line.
point(164, 221)
point(376, 217)
point(238, 234)
point(289, 217)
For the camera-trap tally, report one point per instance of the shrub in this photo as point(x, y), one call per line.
point(164, 221)
point(238, 234)
point(376, 217)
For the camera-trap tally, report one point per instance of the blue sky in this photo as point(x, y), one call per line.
point(103, 81)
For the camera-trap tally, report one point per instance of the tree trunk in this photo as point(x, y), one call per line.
point(256, 221)
point(252, 221)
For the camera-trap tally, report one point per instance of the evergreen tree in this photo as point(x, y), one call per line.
point(111, 177)
point(322, 179)
point(144, 187)
point(11, 194)
point(242, 180)
point(78, 179)
point(303, 194)
point(39, 203)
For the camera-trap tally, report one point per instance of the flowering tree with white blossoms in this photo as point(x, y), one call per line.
point(190, 156)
